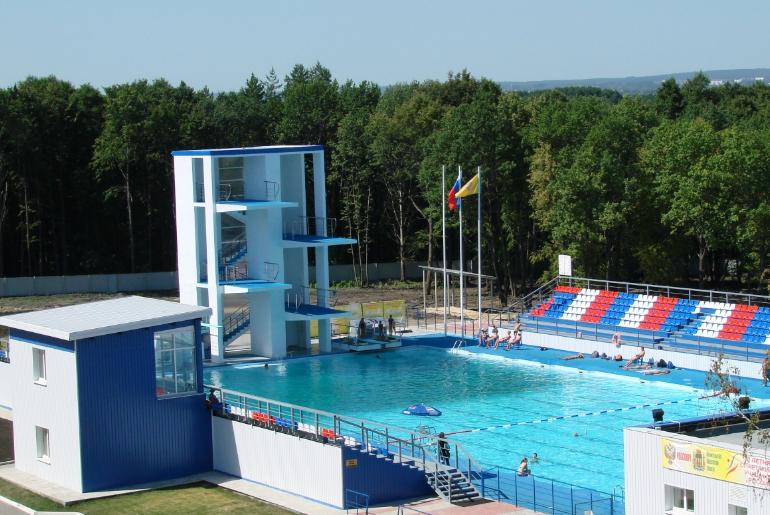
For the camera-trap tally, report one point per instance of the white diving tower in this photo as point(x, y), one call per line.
point(243, 235)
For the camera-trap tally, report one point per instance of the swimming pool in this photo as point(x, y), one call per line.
point(477, 389)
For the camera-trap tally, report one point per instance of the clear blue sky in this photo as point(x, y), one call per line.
point(219, 43)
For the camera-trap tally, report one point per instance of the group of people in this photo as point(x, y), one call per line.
point(492, 339)
point(379, 328)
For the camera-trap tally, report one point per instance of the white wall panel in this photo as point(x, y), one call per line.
point(6, 386)
point(296, 465)
point(53, 407)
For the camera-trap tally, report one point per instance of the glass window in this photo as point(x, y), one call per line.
point(683, 499)
point(737, 510)
point(38, 366)
point(4, 353)
point(41, 439)
point(175, 367)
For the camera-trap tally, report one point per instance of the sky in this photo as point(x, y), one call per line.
point(219, 44)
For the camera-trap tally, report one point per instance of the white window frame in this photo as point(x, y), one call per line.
point(686, 493)
point(43, 444)
point(39, 372)
point(174, 332)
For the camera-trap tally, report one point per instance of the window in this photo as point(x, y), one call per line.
point(736, 510)
point(679, 500)
point(38, 366)
point(43, 451)
point(4, 353)
point(175, 366)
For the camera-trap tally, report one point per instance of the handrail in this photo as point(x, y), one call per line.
point(301, 294)
point(570, 281)
point(310, 225)
point(272, 190)
point(526, 300)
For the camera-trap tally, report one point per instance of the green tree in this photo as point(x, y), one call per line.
point(669, 99)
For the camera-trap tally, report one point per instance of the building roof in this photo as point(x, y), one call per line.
point(103, 317)
point(250, 151)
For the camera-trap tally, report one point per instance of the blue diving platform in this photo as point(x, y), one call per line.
point(313, 312)
point(312, 240)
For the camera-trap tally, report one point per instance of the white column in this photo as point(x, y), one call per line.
point(321, 253)
point(213, 237)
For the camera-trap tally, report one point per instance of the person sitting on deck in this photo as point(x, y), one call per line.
point(505, 339)
point(616, 339)
point(492, 338)
point(638, 355)
point(213, 402)
point(523, 467)
point(482, 337)
point(765, 370)
point(517, 327)
point(574, 356)
point(513, 342)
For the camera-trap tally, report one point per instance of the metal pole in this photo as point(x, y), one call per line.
point(443, 236)
point(462, 278)
point(478, 241)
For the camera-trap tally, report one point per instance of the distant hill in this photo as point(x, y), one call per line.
point(646, 84)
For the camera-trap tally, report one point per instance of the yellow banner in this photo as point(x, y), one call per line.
point(372, 309)
point(394, 308)
point(715, 463)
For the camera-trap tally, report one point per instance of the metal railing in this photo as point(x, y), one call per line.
point(299, 295)
point(405, 510)
point(235, 321)
point(401, 445)
point(309, 226)
point(272, 190)
point(357, 501)
point(545, 495)
point(235, 272)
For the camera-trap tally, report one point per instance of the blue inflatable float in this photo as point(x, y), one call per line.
point(421, 410)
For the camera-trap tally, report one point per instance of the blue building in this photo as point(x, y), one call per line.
point(108, 394)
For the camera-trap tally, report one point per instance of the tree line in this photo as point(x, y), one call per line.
point(669, 188)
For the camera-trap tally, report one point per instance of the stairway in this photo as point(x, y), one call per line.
point(236, 323)
point(452, 485)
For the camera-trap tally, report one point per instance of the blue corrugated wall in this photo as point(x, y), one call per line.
point(382, 480)
point(128, 435)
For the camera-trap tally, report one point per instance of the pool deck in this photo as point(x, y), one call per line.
point(433, 505)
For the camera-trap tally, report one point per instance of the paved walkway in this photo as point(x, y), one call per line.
point(292, 502)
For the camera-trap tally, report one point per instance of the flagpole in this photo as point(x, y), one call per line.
point(479, 243)
point(443, 235)
point(462, 278)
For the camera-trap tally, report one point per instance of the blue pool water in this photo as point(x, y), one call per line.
point(479, 388)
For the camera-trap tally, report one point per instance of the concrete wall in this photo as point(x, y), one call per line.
point(680, 359)
point(646, 479)
point(53, 406)
point(106, 283)
point(281, 461)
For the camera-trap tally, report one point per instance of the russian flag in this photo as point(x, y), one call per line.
point(452, 201)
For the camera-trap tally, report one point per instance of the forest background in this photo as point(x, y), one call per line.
point(672, 187)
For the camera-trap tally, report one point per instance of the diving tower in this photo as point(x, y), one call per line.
point(244, 231)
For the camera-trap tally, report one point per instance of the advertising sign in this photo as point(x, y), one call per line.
point(715, 463)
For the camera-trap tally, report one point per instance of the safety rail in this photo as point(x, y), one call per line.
point(397, 443)
point(458, 345)
point(405, 446)
point(299, 295)
point(236, 322)
point(356, 500)
point(668, 291)
point(545, 495)
point(272, 190)
point(309, 226)
point(235, 272)
point(405, 510)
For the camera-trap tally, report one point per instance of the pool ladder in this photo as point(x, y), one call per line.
point(457, 345)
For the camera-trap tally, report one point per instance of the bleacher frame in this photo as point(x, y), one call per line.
point(644, 337)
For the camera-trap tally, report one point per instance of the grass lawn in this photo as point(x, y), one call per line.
point(198, 498)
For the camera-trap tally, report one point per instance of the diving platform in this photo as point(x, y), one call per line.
point(252, 286)
point(231, 206)
point(369, 344)
point(307, 241)
point(304, 312)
